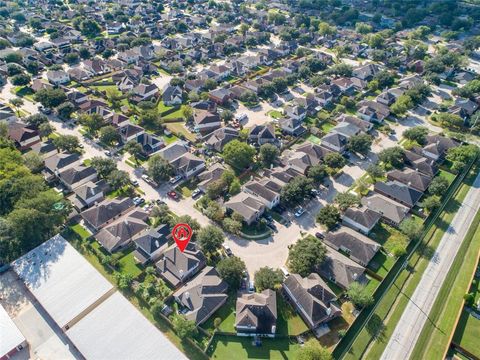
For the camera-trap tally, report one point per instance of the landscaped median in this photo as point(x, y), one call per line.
point(437, 333)
point(369, 335)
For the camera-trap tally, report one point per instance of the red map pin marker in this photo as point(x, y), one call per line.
point(182, 233)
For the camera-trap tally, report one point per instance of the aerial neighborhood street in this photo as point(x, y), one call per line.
point(320, 157)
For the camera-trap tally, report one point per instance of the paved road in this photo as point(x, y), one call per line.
point(408, 329)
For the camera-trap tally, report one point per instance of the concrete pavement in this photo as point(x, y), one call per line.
point(409, 327)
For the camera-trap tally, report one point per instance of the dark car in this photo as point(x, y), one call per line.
point(273, 227)
point(320, 235)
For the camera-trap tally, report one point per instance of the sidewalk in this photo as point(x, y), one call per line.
point(409, 327)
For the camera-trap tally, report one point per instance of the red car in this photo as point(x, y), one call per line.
point(172, 195)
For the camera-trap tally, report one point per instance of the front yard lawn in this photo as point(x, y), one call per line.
point(234, 347)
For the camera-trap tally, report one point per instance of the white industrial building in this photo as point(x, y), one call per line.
point(11, 339)
point(99, 321)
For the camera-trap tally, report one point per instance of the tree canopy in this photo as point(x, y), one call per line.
point(305, 255)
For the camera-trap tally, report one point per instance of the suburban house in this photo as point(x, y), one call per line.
point(296, 112)
point(262, 134)
point(176, 266)
point(399, 192)
point(182, 160)
point(358, 247)
point(206, 122)
point(414, 179)
point(150, 143)
point(58, 77)
point(76, 176)
point(45, 149)
point(420, 163)
point(172, 95)
point(212, 174)
point(202, 296)
point(88, 194)
point(151, 243)
point(130, 132)
point(106, 212)
point(437, 146)
point(217, 139)
point(249, 206)
point(372, 111)
point(361, 219)
point(312, 298)
point(291, 126)
point(256, 314)
point(303, 156)
point(341, 270)
point(391, 211)
point(335, 142)
point(144, 92)
point(60, 162)
point(24, 136)
point(119, 233)
point(268, 197)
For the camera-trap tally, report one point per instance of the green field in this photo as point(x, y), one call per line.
point(467, 334)
point(128, 265)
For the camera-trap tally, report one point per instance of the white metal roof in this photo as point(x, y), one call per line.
point(61, 279)
point(10, 336)
point(116, 330)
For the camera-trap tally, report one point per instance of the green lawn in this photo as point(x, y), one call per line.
point(447, 175)
point(275, 114)
point(313, 139)
point(128, 265)
point(381, 263)
point(288, 320)
point(467, 334)
point(176, 114)
point(326, 126)
point(81, 231)
point(179, 129)
point(234, 347)
point(169, 139)
point(226, 313)
point(162, 107)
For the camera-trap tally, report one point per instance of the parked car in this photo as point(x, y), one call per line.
point(108, 153)
point(134, 182)
point(320, 235)
point(268, 217)
point(299, 212)
point(138, 200)
point(228, 251)
point(175, 179)
point(160, 202)
point(272, 226)
point(172, 195)
point(196, 193)
point(284, 271)
point(251, 286)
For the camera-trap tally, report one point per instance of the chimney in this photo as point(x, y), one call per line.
point(187, 295)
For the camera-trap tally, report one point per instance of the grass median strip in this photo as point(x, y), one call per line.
point(435, 336)
point(373, 338)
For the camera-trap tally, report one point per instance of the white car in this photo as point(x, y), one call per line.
point(299, 212)
point(175, 179)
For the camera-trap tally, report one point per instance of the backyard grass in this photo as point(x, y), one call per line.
point(162, 107)
point(326, 126)
point(314, 139)
point(179, 129)
point(447, 175)
point(226, 313)
point(381, 263)
point(129, 265)
point(80, 231)
point(169, 139)
point(435, 336)
point(467, 334)
point(234, 347)
point(371, 341)
point(288, 321)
